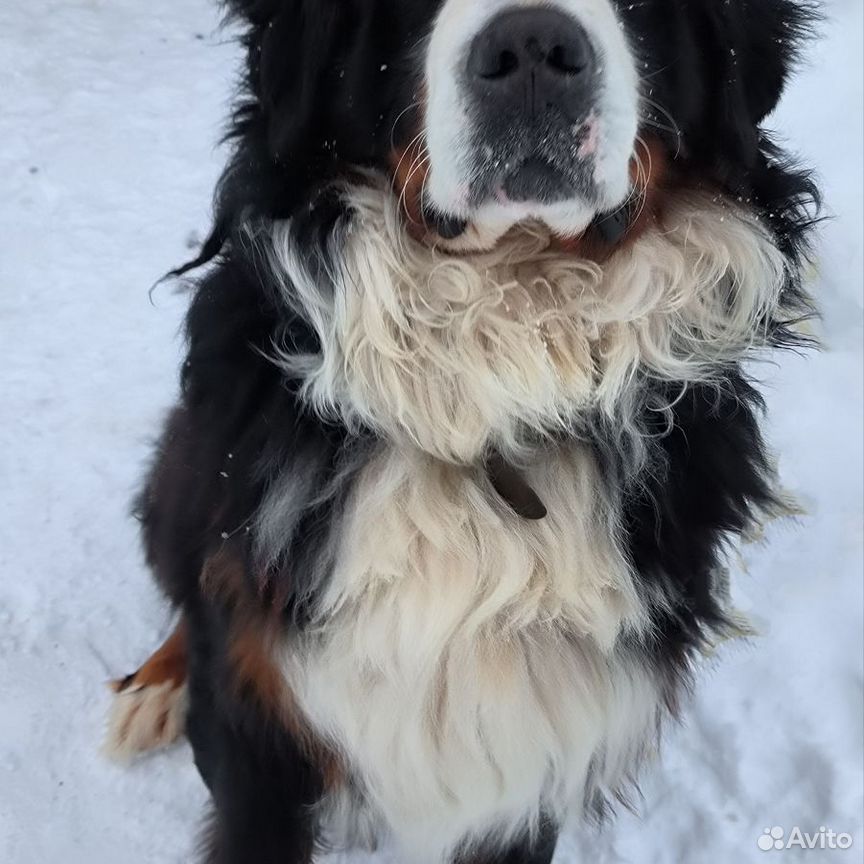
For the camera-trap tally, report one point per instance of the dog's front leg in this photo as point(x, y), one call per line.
point(264, 769)
point(149, 706)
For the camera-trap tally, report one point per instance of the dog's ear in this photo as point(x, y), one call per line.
point(314, 72)
point(754, 47)
point(253, 11)
point(770, 35)
point(291, 58)
point(314, 99)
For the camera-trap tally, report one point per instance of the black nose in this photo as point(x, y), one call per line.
point(532, 58)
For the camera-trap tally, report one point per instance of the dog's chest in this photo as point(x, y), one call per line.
point(464, 651)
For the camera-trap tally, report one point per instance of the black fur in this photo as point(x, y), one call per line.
point(330, 86)
point(712, 476)
point(531, 850)
point(264, 786)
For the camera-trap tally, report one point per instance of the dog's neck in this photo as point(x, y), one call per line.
point(460, 355)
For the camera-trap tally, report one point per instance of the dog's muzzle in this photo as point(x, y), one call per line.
point(531, 77)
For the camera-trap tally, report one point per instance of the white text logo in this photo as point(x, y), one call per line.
point(824, 838)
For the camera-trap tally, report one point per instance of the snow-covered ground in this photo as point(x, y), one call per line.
point(108, 111)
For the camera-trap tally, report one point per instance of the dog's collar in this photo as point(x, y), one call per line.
point(512, 487)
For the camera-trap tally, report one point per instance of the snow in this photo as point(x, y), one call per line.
point(109, 111)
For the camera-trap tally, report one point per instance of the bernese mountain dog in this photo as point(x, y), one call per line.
point(465, 426)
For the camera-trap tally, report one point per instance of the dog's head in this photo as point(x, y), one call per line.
point(489, 112)
point(649, 231)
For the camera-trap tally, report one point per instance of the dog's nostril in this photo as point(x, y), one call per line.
point(564, 59)
point(500, 65)
point(542, 47)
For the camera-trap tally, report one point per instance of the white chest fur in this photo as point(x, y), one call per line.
point(450, 354)
point(467, 669)
point(469, 663)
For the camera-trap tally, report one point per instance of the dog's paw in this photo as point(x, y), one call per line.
point(144, 717)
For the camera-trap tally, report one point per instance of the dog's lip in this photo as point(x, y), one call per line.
point(447, 226)
point(523, 189)
point(536, 179)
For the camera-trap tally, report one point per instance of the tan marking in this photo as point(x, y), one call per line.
point(166, 664)
point(149, 707)
point(254, 632)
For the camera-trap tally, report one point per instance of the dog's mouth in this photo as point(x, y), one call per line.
point(517, 192)
point(536, 180)
point(518, 195)
point(532, 118)
point(547, 169)
point(540, 161)
point(547, 173)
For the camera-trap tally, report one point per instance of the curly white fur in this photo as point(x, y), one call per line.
point(455, 354)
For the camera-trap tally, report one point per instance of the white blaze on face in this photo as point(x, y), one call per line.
point(450, 124)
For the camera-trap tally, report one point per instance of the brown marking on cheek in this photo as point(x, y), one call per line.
point(410, 167)
point(650, 170)
point(167, 665)
point(651, 176)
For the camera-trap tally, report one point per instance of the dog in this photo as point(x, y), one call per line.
point(465, 428)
